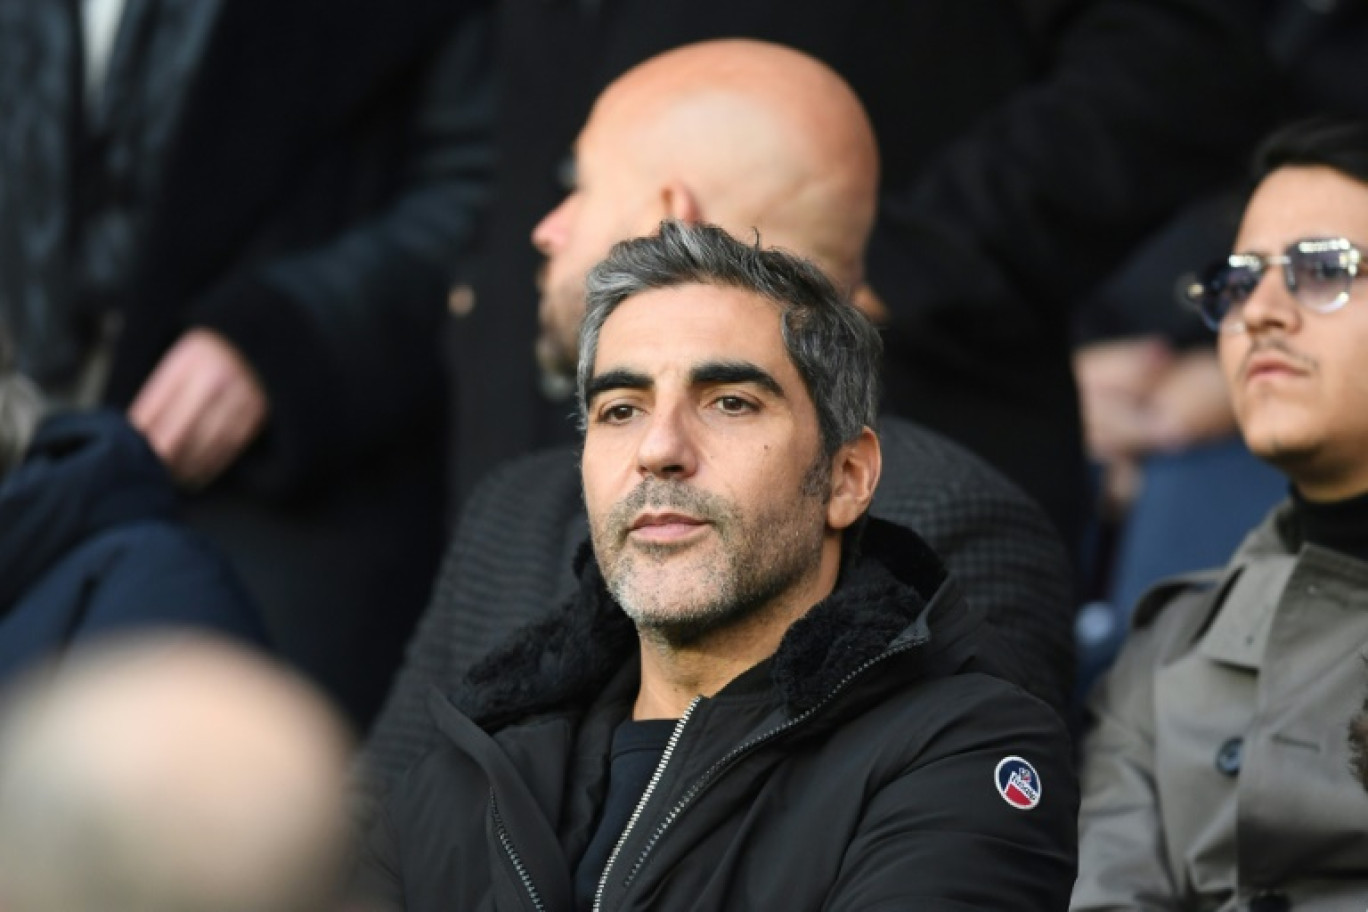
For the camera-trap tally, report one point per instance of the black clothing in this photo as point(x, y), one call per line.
point(1340, 525)
point(90, 544)
point(636, 751)
point(853, 769)
point(1026, 146)
point(311, 202)
point(1317, 49)
point(513, 553)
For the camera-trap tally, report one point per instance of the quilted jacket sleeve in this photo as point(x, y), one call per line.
point(941, 836)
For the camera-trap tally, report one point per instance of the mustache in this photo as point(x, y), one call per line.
point(1279, 345)
point(658, 494)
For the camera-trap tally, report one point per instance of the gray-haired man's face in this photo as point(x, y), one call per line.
point(703, 468)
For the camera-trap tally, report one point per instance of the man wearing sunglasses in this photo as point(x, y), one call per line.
point(1218, 776)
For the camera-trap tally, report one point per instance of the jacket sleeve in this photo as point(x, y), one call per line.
point(999, 545)
point(375, 881)
point(156, 573)
point(940, 836)
point(1122, 857)
point(345, 336)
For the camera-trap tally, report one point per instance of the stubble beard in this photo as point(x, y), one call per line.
point(558, 345)
point(678, 594)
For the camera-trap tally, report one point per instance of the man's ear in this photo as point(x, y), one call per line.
point(681, 203)
point(854, 475)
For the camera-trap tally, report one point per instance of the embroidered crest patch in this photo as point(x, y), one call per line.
point(1017, 783)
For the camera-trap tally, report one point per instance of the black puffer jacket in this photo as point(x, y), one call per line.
point(856, 768)
point(513, 553)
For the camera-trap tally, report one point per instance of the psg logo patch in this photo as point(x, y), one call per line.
point(1017, 783)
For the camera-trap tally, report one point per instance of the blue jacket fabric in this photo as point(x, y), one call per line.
point(89, 545)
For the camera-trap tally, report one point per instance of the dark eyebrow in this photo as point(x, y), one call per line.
point(613, 380)
point(714, 372)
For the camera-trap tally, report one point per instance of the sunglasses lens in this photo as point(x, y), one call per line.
point(1225, 286)
point(1319, 278)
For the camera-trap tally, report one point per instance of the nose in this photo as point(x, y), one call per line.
point(1270, 306)
point(667, 448)
point(551, 232)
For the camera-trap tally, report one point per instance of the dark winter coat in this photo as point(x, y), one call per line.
point(854, 769)
point(513, 553)
point(90, 545)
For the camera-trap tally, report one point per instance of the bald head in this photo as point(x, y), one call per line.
point(766, 137)
point(747, 135)
point(180, 774)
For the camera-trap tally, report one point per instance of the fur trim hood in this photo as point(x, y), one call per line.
point(892, 590)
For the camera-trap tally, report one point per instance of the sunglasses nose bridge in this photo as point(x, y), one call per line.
point(1243, 280)
point(1288, 266)
point(1267, 304)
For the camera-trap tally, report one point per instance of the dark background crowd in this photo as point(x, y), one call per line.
point(268, 270)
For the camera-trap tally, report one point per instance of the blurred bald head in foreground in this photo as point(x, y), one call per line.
point(744, 134)
point(171, 775)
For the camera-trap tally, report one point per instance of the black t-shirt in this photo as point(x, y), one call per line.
point(637, 748)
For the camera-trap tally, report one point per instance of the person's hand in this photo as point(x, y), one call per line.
point(1138, 398)
point(1191, 404)
point(200, 408)
point(1115, 383)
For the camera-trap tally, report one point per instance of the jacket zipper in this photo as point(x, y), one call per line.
point(507, 842)
point(645, 797)
point(709, 776)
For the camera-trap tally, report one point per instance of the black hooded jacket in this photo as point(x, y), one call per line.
point(89, 544)
point(856, 768)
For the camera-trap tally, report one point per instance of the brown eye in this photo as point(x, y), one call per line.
point(734, 405)
point(617, 414)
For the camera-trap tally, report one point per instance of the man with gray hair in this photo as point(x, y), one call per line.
point(175, 774)
point(754, 672)
point(749, 136)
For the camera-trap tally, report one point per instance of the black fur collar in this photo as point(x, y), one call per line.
point(565, 659)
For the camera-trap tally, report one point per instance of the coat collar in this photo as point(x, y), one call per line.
point(893, 590)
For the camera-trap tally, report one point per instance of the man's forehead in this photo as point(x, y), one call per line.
point(694, 318)
point(684, 328)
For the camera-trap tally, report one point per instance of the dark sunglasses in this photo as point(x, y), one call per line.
point(1318, 272)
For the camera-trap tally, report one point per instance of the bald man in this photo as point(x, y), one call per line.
point(175, 774)
point(757, 138)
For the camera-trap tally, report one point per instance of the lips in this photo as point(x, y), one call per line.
point(1269, 367)
point(664, 526)
point(1273, 362)
point(647, 520)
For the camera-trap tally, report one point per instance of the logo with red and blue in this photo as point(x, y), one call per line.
point(1017, 783)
